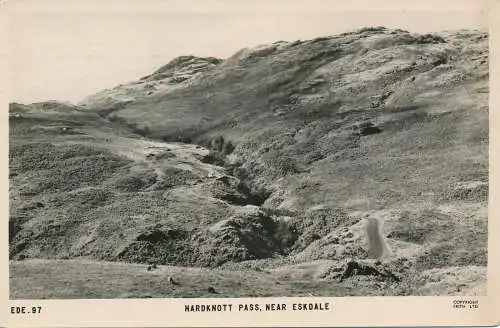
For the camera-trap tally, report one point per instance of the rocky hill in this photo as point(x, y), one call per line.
point(269, 161)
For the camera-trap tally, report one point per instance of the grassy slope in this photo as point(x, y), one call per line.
point(92, 189)
point(39, 279)
point(293, 111)
point(296, 105)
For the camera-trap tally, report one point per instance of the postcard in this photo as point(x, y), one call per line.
point(247, 163)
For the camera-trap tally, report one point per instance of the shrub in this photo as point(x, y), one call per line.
point(279, 164)
point(217, 143)
point(227, 148)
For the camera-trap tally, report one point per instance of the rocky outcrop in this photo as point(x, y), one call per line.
point(179, 73)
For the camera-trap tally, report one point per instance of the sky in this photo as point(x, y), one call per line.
point(72, 49)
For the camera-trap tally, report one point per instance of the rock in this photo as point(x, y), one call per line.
point(221, 226)
point(212, 290)
point(172, 281)
point(355, 268)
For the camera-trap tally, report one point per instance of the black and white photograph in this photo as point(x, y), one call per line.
point(248, 154)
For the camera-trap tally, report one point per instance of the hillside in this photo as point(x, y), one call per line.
point(264, 162)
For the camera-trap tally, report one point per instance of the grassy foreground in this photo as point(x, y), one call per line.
point(85, 279)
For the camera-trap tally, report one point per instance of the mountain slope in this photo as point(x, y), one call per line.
point(269, 159)
point(310, 98)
